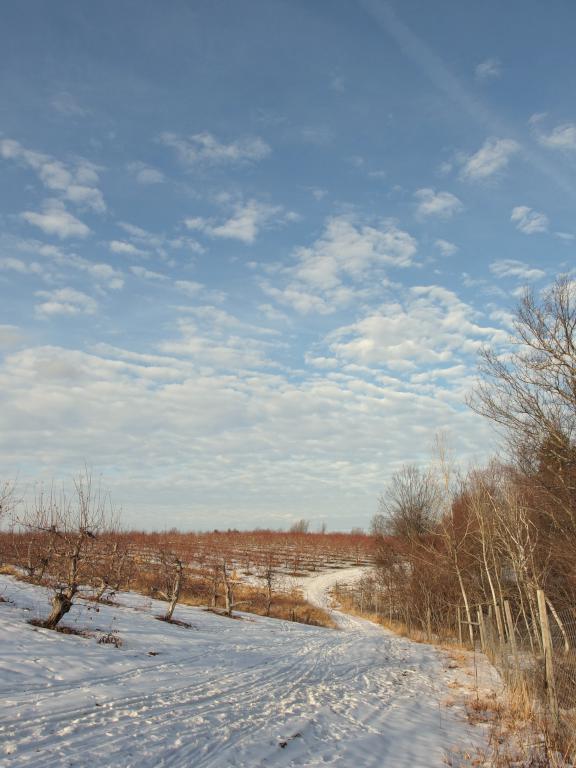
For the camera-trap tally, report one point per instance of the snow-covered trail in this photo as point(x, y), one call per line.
point(317, 591)
point(245, 693)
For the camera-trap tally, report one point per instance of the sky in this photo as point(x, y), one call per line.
point(249, 249)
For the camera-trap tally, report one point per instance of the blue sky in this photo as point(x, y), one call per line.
point(249, 250)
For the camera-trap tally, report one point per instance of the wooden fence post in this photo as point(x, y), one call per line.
point(500, 624)
point(511, 632)
point(482, 629)
point(459, 616)
point(489, 630)
point(548, 661)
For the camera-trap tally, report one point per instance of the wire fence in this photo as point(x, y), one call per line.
point(530, 641)
point(534, 649)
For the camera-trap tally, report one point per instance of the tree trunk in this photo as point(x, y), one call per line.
point(214, 586)
point(102, 590)
point(492, 590)
point(61, 604)
point(228, 591)
point(560, 624)
point(176, 588)
point(466, 604)
point(268, 598)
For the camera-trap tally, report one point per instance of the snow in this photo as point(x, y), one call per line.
point(250, 692)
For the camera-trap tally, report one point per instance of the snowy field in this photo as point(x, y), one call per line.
point(249, 692)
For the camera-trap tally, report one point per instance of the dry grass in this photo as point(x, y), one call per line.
point(61, 628)
point(398, 627)
point(519, 735)
point(110, 638)
point(484, 709)
point(287, 606)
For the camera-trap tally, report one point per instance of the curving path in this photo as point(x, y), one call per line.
point(224, 693)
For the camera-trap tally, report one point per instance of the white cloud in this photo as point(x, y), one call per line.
point(322, 362)
point(319, 135)
point(445, 247)
point(56, 220)
point(197, 223)
point(186, 433)
point(492, 158)
point(124, 249)
point(488, 69)
point(441, 204)
point(148, 274)
point(204, 148)
point(446, 167)
point(76, 184)
point(349, 248)
point(65, 103)
point(245, 223)
point(234, 353)
point(537, 118)
point(11, 264)
point(195, 290)
point(10, 336)
point(65, 301)
point(298, 298)
point(432, 326)
point(272, 313)
point(142, 243)
point(85, 197)
point(514, 268)
point(529, 221)
point(562, 137)
point(102, 274)
point(318, 193)
point(135, 231)
point(216, 338)
point(342, 266)
point(145, 174)
point(506, 319)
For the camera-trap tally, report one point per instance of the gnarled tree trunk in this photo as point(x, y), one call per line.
point(61, 604)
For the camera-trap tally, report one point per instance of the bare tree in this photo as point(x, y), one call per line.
point(300, 526)
point(171, 572)
point(409, 506)
point(174, 569)
point(7, 499)
point(268, 571)
point(379, 524)
point(71, 525)
point(531, 392)
point(114, 566)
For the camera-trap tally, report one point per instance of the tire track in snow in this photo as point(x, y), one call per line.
point(200, 696)
point(329, 697)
